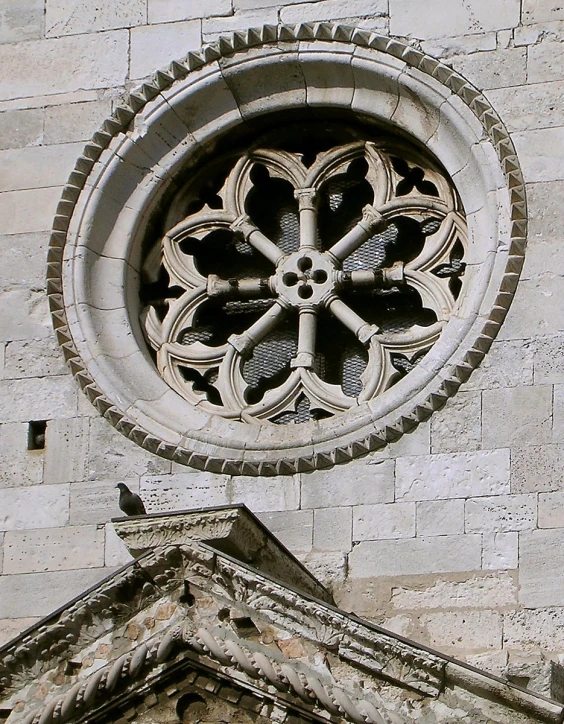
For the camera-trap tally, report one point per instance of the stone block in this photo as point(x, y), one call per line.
point(294, 528)
point(66, 450)
point(171, 11)
point(558, 421)
point(452, 631)
point(24, 257)
point(501, 513)
point(500, 551)
point(182, 491)
point(459, 45)
point(478, 591)
point(527, 107)
point(212, 27)
point(21, 20)
point(113, 456)
point(23, 212)
point(33, 358)
point(536, 468)
point(538, 251)
point(24, 314)
point(97, 501)
point(21, 128)
point(545, 62)
point(540, 11)
point(82, 16)
point(11, 627)
point(494, 662)
point(517, 416)
point(416, 442)
point(452, 475)
point(541, 561)
point(361, 482)
point(546, 214)
point(379, 522)
point(239, 5)
point(74, 121)
point(536, 309)
point(549, 360)
point(416, 556)
point(329, 568)
point(37, 166)
point(440, 517)
point(264, 494)
point(38, 398)
point(458, 426)
point(332, 10)
point(493, 69)
point(154, 46)
point(54, 549)
point(541, 153)
point(447, 18)
point(98, 60)
point(332, 529)
point(18, 465)
point(115, 550)
point(507, 364)
point(534, 629)
point(37, 506)
point(37, 594)
point(551, 509)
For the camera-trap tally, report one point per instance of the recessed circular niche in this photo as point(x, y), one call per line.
point(286, 250)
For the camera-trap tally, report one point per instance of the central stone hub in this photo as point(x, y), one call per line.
point(305, 278)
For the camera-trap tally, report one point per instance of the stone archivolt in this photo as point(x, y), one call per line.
point(187, 625)
point(164, 129)
point(359, 251)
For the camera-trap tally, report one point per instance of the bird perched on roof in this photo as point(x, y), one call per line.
point(129, 502)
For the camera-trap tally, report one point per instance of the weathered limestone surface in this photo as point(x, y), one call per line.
point(456, 527)
point(366, 481)
point(80, 16)
point(456, 475)
point(98, 60)
point(438, 554)
point(57, 549)
point(456, 17)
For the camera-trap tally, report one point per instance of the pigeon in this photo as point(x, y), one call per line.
point(129, 502)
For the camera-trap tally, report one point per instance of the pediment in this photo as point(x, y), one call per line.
point(215, 621)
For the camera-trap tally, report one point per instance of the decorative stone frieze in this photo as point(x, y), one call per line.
point(187, 619)
point(106, 243)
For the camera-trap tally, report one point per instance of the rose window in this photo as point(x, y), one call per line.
point(295, 283)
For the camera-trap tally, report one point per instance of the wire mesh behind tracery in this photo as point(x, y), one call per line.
point(269, 363)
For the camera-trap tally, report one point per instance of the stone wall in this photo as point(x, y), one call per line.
point(452, 535)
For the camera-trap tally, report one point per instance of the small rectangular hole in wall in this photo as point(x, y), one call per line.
point(36, 434)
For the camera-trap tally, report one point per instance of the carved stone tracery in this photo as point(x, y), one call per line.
point(362, 246)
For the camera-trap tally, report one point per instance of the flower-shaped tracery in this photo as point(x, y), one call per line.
point(296, 287)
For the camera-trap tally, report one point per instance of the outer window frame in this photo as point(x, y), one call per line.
point(130, 164)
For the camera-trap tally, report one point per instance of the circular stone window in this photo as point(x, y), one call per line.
point(286, 250)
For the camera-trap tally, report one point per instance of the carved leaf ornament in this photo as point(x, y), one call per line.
point(287, 249)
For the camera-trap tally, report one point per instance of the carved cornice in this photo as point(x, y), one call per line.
point(234, 531)
point(366, 435)
point(242, 591)
point(64, 632)
point(253, 663)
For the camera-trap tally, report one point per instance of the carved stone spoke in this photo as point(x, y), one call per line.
point(324, 274)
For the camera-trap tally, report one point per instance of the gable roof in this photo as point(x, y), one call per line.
point(215, 603)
